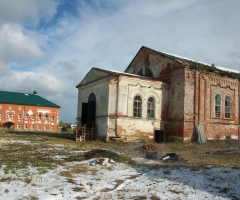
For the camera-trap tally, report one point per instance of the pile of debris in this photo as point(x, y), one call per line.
point(153, 152)
point(172, 157)
point(146, 148)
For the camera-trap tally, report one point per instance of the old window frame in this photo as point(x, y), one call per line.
point(9, 116)
point(227, 105)
point(218, 105)
point(137, 106)
point(151, 108)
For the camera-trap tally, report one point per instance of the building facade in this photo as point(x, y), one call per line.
point(22, 111)
point(161, 95)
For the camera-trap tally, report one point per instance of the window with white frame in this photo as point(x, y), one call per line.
point(45, 127)
point(46, 117)
point(137, 106)
point(0, 106)
point(19, 116)
point(52, 128)
point(39, 127)
point(20, 108)
point(18, 126)
point(150, 108)
point(52, 118)
point(9, 116)
point(0, 115)
point(10, 107)
point(227, 107)
point(218, 103)
point(25, 126)
point(32, 126)
point(26, 116)
point(40, 117)
point(33, 117)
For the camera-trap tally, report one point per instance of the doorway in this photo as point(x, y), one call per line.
point(159, 136)
point(89, 111)
point(8, 125)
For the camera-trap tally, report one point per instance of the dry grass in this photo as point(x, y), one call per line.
point(47, 150)
point(106, 190)
point(67, 174)
point(79, 169)
point(77, 189)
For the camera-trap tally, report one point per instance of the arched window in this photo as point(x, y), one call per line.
point(227, 107)
point(10, 116)
point(33, 117)
point(52, 118)
point(26, 116)
point(39, 116)
point(148, 73)
point(217, 105)
point(46, 117)
point(150, 108)
point(140, 72)
point(145, 71)
point(137, 106)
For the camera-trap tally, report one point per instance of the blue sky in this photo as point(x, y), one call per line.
point(50, 45)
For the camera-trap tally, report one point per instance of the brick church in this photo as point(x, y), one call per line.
point(161, 95)
point(24, 111)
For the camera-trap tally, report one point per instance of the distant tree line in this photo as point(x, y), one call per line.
point(63, 124)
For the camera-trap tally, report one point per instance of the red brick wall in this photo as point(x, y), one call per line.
point(199, 105)
point(47, 125)
point(191, 97)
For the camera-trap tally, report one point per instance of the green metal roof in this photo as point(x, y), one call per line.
point(25, 99)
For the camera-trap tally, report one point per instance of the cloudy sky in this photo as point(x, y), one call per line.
point(49, 45)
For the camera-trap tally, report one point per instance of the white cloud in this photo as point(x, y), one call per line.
point(108, 34)
point(17, 47)
point(28, 11)
point(29, 81)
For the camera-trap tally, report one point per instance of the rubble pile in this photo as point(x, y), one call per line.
point(172, 157)
point(153, 152)
point(146, 148)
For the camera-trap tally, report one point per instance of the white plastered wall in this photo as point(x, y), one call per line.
point(121, 119)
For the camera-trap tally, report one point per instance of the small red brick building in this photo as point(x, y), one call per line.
point(23, 111)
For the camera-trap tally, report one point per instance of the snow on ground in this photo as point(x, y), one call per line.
point(102, 178)
point(106, 179)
